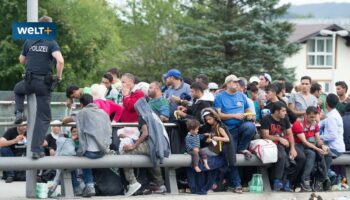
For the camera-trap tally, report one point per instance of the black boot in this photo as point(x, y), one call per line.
point(19, 117)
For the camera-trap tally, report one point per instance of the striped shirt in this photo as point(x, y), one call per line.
point(193, 141)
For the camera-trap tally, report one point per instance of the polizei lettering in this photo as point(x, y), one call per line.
point(39, 49)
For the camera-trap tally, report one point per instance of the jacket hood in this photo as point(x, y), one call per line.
point(210, 111)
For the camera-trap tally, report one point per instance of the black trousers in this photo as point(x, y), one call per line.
point(284, 169)
point(43, 114)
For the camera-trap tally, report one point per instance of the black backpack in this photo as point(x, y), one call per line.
point(108, 183)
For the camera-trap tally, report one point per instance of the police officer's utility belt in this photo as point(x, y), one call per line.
point(49, 79)
point(40, 77)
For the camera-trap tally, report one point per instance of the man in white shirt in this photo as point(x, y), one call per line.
point(333, 129)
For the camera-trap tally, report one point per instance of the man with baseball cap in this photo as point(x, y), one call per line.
point(231, 106)
point(177, 88)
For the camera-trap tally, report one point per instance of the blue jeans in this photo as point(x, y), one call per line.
point(87, 173)
point(310, 162)
point(7, 152)
point(332, 155)
point(241, 139)
point(243, 135)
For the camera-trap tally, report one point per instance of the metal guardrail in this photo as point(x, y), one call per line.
point(108, 161)
point(135, 161)
point(67, 163)
point(114, 124)
point(25, 102)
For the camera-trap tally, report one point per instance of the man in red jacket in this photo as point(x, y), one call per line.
point(130, 96)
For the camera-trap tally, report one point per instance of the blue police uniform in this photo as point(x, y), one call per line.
point(38, 81)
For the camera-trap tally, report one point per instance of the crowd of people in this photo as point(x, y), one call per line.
point(214, 123)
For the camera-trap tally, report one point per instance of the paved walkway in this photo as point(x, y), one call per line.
point(16, 190)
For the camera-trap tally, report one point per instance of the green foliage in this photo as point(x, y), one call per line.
point(87, 34)
point(148, 35)
point(242, 37)
point(10, 69)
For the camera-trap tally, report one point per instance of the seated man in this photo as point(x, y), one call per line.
point(153, 141)
point(193, 109)
point(74, 92)
point(333, 129)
point(276, 127)
point(94, 132)
point(158, 102)
point(231, 106)
point(50, 140)
point(307, 139)
point(13, 144)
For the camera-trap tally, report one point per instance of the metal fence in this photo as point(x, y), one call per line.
point(7, 107)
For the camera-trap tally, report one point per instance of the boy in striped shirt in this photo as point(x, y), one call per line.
point(193, 144)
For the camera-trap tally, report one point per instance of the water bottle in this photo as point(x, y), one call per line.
point(256, 184)
point(259, 183)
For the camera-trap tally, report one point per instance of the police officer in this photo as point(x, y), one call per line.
point(37, 56)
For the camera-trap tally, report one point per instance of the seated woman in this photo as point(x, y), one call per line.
point(113, 110)
point(219, 149)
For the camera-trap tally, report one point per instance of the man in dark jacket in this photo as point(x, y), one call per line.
point(346, 120)
point(194, 108)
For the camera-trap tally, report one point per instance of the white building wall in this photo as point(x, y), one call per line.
point(323, 76)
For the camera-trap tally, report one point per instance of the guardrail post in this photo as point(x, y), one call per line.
point(265, 176)
point(66, 184)
point(170, 180)
point(31, 174)
point(32, 16)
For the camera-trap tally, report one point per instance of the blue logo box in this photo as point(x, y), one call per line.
point(34, 30)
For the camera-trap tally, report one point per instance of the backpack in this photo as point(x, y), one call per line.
point(108, 182)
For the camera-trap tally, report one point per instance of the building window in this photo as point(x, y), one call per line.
point(320, 52)
point(326, 87)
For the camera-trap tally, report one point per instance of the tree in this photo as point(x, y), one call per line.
point(148, 34)
point(88, 36)
point(243, 37)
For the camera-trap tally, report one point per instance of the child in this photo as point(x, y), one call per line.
point(193, 144)
point(217, 135)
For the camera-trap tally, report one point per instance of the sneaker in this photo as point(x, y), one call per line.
point(78, 191)
point(286, 186)
point(306, 186)
point(19, 117)
point(89, 191)
point(9, 179)
point(317, 186)
point(132, 188)
point(277, 185)
point(159, 189)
